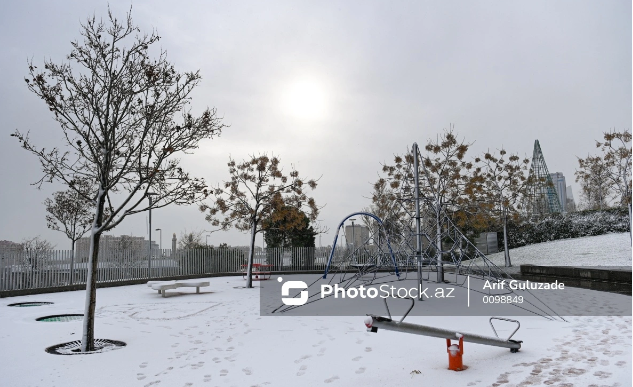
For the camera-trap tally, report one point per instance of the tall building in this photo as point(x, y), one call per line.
point(357, 236)
point(561, 189)
point(570, 204)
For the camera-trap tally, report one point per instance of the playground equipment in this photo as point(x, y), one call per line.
point(455, 351)
point(414, 236)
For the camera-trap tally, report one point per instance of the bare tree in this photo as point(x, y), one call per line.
point(36, 254)
point(593, 176)
point(117, 111)
point(191, 240)
point(72, 214)
point(256, 189)
point(497, 185)
point(124, 252)
point(608, 175)
point(386, 205)
point(445, 174)
point(617, 158)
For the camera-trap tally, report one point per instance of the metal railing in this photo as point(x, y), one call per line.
point(52, 268)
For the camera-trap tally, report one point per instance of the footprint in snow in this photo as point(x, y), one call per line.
point(357, 358)
point(224, 372)
point(302, 358)
point(166, 371)
point(207, 378)
point(360, 370)
point(143, 364)
point(367, 349)
point(140, 376)
point(330, 380)
point(197, 365)
point(247, 371)
point(302, 370)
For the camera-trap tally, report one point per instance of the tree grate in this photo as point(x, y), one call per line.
point(34, 303)
point(74, 347)
point(61, 318)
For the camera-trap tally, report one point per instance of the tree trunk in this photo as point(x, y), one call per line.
point(251, 253)
point(505, 238)
point(87, 339)
point(630, 224)
point(72, 263)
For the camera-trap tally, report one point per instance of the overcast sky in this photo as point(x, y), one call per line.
point(336, 88)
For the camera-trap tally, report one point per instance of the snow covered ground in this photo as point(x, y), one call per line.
point(217, 338)
point(601, 250)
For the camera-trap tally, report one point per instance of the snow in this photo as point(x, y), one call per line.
point(601, 250)
point(218, 338)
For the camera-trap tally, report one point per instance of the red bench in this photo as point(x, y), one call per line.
point(261, 272)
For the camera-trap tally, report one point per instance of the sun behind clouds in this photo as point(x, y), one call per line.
point(305, 99)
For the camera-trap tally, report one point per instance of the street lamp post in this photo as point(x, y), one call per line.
point(206, 240)
point(149, 244)
point(353, 238)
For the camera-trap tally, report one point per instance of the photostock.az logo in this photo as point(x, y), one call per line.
point(285, 291)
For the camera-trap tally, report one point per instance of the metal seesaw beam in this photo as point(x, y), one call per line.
point(389, 324)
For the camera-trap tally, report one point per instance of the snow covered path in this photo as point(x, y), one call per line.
point(217, 338)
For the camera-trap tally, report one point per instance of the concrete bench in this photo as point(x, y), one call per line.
point(161, 286)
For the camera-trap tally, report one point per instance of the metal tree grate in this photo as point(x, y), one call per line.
point(74, 347)
point(26, 304)
point(61, 318)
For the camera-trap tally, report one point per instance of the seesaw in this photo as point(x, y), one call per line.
point(455, 351)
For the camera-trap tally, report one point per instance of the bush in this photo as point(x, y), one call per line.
point(568, 225)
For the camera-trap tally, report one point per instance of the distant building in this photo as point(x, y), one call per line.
point(109, 244)
point(487, 243)
point(561, 189)
point(358, 235)
point(10, 246)
point(570, 203)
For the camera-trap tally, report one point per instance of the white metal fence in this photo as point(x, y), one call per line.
point(52, 268)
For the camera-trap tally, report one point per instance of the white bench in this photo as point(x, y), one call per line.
point(161, 286)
